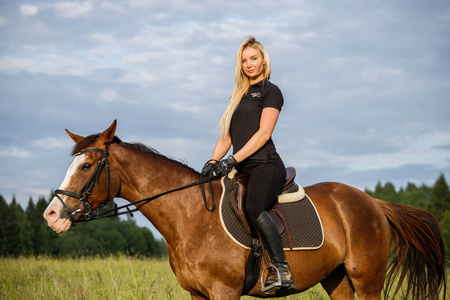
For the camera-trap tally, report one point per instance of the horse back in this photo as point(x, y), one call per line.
point(345, 202)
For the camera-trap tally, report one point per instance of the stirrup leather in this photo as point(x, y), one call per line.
point(274, 286)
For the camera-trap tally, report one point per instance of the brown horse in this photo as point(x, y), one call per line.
point(357, 228)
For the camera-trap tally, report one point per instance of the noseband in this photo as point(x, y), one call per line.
point(85, 208)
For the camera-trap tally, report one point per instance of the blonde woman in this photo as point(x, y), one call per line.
point(247, 125)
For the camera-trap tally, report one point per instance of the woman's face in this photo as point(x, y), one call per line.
point(252, 64)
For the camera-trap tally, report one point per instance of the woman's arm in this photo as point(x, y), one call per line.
point(221, 148)
point(267, 124)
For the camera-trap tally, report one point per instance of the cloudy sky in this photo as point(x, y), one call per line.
point(366, 83)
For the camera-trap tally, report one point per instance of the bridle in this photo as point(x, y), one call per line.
point(85, 207)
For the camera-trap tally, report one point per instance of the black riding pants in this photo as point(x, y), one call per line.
point(265, 182)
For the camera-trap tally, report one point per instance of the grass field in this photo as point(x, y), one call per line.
point(98, 278)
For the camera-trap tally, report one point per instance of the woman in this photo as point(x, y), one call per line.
point(247, 125)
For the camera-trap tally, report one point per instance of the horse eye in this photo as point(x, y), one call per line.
point(86, 167)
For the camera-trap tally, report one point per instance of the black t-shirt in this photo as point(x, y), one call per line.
point(246, 117)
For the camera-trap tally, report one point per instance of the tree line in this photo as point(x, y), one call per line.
point(25, 233)
point(435, 199)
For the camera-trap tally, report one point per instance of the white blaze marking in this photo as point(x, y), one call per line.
point(55, 203)
point(74, 166)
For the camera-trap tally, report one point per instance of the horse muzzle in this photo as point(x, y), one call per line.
point(57, 217)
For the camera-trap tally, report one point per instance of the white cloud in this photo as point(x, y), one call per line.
point(28, 10)
point(141, 77)
point(101, 38)
point(378, 73)
point(106, 5)
point(108, 95)
point(14, 152)
point(426, 149)
point(140, 58)
point(12, 65)
point(73, 9)
point(2, 21)
point(185, 107)
point(53, 143)
point(309, 35)
point(52, 62)
point(142, 4)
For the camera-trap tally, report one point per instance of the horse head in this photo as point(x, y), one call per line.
point(88, 183)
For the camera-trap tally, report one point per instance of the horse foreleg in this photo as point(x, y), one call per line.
point(337, 284)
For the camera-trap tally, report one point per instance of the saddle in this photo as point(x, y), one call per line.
point(291, 192)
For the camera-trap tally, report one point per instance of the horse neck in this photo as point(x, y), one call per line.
point(143, 175)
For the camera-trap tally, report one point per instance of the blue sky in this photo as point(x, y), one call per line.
point(366, 84)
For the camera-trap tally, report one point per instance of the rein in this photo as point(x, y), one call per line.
point(116, 210)
point(89, 214)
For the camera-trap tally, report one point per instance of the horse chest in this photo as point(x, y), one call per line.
point(186, 270)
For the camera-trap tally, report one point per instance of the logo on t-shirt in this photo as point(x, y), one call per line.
point(258, 94)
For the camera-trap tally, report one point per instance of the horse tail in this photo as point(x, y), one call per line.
point(419, 254)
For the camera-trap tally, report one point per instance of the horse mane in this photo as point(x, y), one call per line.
point(89, 140)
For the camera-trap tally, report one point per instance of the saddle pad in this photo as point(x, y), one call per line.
point(302, 217)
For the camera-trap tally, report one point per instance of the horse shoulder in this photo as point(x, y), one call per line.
point(200, 250)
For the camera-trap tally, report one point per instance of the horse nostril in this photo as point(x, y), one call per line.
point(51, 215)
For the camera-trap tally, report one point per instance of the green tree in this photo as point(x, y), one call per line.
point(26, 233)
point(413, 196)
point(31, 215)
point(135, 240)
point(18, 231)
point(440, 197)
point(386, 192)
point(5, 227)
point(445, 227)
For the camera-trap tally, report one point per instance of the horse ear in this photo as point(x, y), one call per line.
point(75, 137)
point(108, 135)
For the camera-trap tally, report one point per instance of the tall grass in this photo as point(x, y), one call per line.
point(88, 278)
point(99, 278)
point(96, 278)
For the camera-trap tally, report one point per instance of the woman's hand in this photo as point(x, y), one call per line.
point(209, 167)
point(225, 166)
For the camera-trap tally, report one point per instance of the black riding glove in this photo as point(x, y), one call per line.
point(225, 166)
point(209, 167)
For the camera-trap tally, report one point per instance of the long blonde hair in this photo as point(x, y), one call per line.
point(242, 82)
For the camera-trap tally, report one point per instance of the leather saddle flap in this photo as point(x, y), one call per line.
point(238, 196)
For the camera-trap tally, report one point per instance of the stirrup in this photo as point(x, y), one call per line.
point(274, 286)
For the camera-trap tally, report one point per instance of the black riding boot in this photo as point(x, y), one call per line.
point(272, 241)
